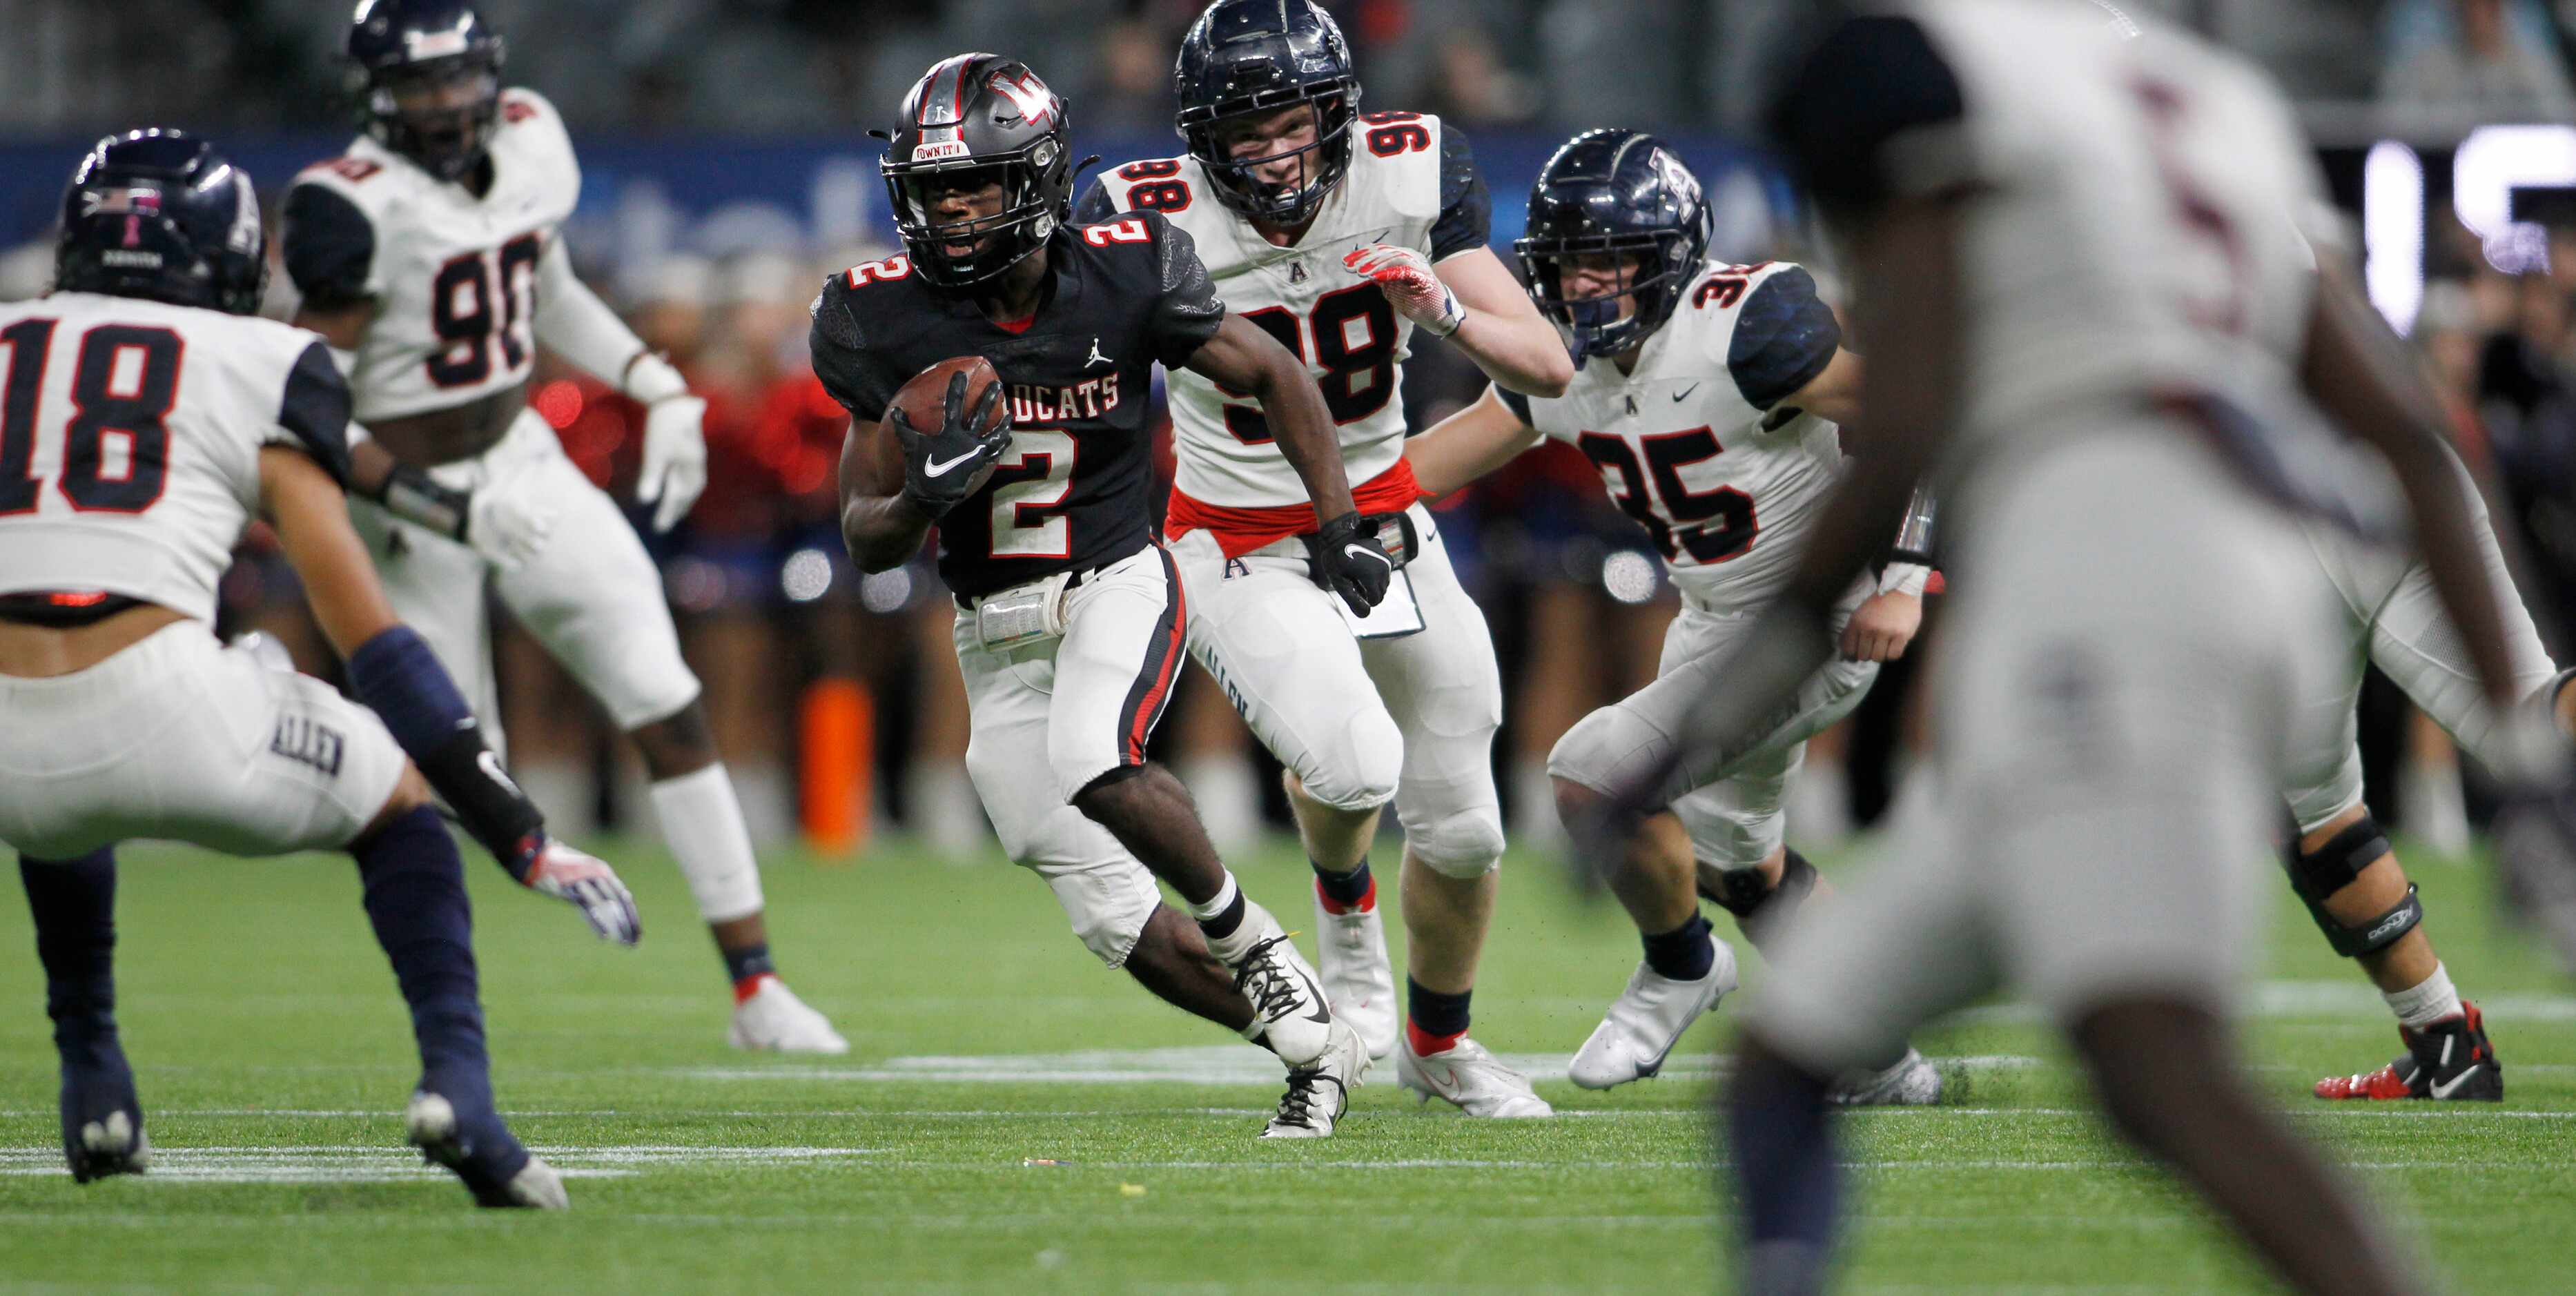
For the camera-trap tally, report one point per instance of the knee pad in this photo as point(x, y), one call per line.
point(1357, 769)
point(1762, 910)
point(2333, 866)
point(2375, 935)
point(1463, 845)
point(1108, 911)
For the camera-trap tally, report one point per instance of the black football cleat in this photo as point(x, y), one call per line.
point(102, 1119)
point(2449, 1060)
point(482, 1152)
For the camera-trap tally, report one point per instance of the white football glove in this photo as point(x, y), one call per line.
point(588, 884)
point(507, 521)
point(675, 458)
point(1406, 277)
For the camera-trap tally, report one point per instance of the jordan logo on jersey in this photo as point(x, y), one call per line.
point(1096, 358)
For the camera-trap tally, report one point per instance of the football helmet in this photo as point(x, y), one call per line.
point(444, 49)
point(1615, 192)
point(972, 118)
point(160, 214)
point(1248, 56)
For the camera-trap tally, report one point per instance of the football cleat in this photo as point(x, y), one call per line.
point(1646, 1021)
point(1474, 1081)
point(1319, 1093)
point(1286, 999)
point(1359, 981)
point(2449, 1060)
point(102, 1119)
point(1911, 1082)
point(774, 1018)
point(498, 1171)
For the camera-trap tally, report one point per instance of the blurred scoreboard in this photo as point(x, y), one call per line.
point(2507, 185)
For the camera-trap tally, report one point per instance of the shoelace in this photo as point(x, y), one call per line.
point(1265, 981)
point(1297, 1103)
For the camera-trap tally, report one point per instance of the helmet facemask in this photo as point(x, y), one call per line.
point(1658, 266)
point(440, 114)
point(954, 250)
point(1321, 163)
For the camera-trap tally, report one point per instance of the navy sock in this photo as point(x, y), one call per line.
point(73, 903)
point(1226, 921)
point(415, 898)
point(1344, 889)
point(747, 962)
point(1435, 1020)
point(1685, 953)
point(1785, 1166)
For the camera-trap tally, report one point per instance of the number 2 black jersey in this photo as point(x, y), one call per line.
point(1074, 491)
point(454, 276)
point(130, 434)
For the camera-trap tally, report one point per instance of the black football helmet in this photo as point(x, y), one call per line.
point(1247, 56)
point(159, 214)
point(973, 118)
point(1618, 192)
point(409, 45)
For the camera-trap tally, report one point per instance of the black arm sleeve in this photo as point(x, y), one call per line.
point(1187, 313)
point(1466, 206)
point(1094, 206)
point(1839, 118)
point(1784, 337)
point(330, 247)
point(316, 409)
point(1516, 403)
point(841, 358)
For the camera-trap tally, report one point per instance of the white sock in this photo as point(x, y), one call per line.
point(1534, 821)
point(2427, 1003)
point(1218, 903)
point(703, 824)
point(1229, 799)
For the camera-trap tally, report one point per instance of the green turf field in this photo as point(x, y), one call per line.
point(274, 1059)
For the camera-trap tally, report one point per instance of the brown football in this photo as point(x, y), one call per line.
point(924, 399)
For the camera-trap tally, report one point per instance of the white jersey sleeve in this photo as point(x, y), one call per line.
point(453, 276)
point(1412, 183)
point(129, 454)
point(1704, 444)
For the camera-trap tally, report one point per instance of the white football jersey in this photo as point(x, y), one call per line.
point(454, 276)
point(1698, 445)
point(1351, 338)
point(2148, 221)
point(130, 434)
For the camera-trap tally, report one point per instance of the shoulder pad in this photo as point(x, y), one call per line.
point(839, 347)
point(1166, 185)
point(328, 241)
point(533, 132)
point(1403, 150)
point(1784, 335)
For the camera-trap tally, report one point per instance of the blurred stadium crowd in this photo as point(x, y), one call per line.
point(835, 698)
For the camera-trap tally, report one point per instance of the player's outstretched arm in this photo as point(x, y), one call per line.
point(881, 527)
point(1469, 444)
point(1470, 299)
point(393, 671)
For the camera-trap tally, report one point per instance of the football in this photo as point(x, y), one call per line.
point(923, 401)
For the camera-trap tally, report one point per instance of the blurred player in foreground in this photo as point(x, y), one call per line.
point(144, 420)
point(432, 256)
point(1070, 617)
point(1707, 396)
point(2092, 306)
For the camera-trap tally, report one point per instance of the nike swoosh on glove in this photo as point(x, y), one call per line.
point(1348, 562)
point(675, 458)
point(1405, 276)
point(942, 467)
point(587, 884)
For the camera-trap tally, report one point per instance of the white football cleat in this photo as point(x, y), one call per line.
point(1646, 1021)
point(1359, 982)
point(1911, 1082)
point(774, 1018)
point(1471, 1079)
point(1287, 1000)
point(432, 1125)
point(1317, 1095)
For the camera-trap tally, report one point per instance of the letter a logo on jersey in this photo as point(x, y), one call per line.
point(1035, 101)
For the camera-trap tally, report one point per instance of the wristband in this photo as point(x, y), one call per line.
point(650, 379)
point(1904, 578)
point(1453, 315)
point(415, 497)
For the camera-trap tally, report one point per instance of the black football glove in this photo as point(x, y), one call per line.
point(943, 467)
point(1348, 561)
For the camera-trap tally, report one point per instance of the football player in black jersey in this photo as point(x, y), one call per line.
point(1069, 629)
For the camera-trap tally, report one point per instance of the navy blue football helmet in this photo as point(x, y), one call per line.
point(1614, 192)
point(159, 214)
point(972, 119)
point(1248, 56)
point(415, 47)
